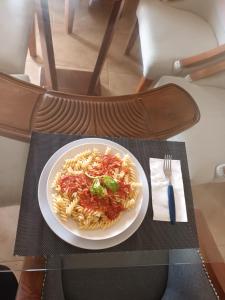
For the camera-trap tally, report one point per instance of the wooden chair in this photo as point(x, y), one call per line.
point(171, 30)
point(155, 114)
point(204, 142)
point(24, 107)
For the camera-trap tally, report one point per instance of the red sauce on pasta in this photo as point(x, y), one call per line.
point(71, 183)
point(81, 184)
point(106, 204)
point(107, 165)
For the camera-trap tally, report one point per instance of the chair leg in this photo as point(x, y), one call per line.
point(132, 38)
point(143, 85)
point(32, 42)
point(122, 9)
point(69, 14)
point(43, 20)
point(106, 42)
point(90, 2)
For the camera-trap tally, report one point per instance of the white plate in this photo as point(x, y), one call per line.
point(127, 217)
point(69, 232)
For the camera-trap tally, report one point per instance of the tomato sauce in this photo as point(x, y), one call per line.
point(106, 204)
point(71, 183)
point(107, 166)
point(81, 184)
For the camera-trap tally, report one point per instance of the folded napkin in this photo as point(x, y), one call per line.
point(159, 184)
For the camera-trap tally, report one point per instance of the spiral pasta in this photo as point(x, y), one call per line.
point(94, 188)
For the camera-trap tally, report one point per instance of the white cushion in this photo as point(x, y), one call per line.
point(205, 142)
point(213, 11)
point(16, 18)
point(167, 34)
point(13, 160)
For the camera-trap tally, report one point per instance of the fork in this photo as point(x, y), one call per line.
point(168, 173)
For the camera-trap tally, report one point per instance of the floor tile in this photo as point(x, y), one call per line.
point(8, 226)
point(209, 198)
point(122, 84)
point(222, 252)
point(33, 69)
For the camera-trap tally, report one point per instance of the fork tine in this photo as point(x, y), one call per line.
point(164, 163)
point(170, 160)
point(167, 164)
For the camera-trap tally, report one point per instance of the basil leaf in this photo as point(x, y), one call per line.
point(97, 189)
point(111, 183)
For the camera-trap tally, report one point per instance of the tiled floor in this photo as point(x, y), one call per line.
point(210, 199)
point(79, 50)
point(120, 75)
point(8, 224)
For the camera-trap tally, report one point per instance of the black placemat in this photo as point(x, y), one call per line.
point(34, 237)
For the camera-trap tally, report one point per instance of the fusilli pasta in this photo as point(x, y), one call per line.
point(93, 188)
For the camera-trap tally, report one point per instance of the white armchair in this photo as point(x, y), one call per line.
point(170, 30)
point(205, 141)
point(16, 18)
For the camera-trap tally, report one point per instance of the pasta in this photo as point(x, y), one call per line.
point(94, 188)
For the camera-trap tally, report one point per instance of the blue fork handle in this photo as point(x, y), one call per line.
point(171, 203)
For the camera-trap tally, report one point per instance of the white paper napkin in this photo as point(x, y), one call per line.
point(159, 184)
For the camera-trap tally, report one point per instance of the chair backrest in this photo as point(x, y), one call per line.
point(155, 114)
point(16, 17)
point(213, 11)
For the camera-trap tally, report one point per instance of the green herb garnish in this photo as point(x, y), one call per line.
point(97, 189)
point(111, 183)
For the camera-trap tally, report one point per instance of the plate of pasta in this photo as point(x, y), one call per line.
point(94, 190)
